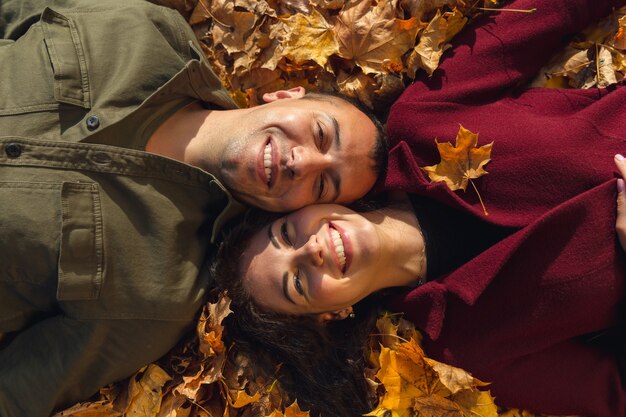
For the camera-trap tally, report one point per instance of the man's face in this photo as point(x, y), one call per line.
point(292, 152)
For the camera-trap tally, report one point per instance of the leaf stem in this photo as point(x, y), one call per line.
point(479, 197)
point(389, 335)
point(491, 9)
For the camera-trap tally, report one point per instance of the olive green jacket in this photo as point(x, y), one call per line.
point(101, 243)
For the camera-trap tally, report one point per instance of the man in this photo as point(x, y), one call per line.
point(120, 155)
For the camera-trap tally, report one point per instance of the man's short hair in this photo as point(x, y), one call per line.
point(381, 146)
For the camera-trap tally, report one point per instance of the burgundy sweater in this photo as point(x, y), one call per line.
point(529, 313)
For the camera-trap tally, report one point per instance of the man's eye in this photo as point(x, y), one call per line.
point(320, 136)
point(297, 283)
point(284, 234)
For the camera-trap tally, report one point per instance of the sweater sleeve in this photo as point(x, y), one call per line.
point(60, 361)
point(583, 380)
point(505, 49)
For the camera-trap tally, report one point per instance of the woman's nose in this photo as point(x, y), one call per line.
point(312, 251)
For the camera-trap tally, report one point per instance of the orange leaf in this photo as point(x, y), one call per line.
point(460, 163)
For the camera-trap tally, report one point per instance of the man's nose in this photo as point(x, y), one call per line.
point(312, 251)
point(305, 162)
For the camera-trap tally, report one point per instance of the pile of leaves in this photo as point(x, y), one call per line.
point(367, 49)
point(203, 377)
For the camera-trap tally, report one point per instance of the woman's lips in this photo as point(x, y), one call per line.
point(343, 260)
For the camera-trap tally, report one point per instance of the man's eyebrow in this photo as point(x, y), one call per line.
point(271, 236)
point(335, 178)
point(285, 283)
point(337, 132)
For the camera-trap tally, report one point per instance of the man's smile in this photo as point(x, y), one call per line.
point(266, 165)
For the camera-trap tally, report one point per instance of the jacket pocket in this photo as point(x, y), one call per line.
point(44, 68)
point(71, 81)
point(81, 256)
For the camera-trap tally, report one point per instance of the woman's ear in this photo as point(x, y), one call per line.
point(334, 315)
point(296, 92)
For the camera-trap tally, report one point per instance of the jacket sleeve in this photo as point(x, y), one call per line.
point(16, 16)
point(584, 380)
point(505, 49)
point(60, 361)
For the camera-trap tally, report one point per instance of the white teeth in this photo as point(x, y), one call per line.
point(338, 245)
point(267, 162)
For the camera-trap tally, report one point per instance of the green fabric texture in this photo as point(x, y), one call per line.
point(101, 243)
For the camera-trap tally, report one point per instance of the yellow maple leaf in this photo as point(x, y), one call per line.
point(308, 38)
point(405, 376)
point(476, 403)
point(292, 411)
point(241, 398)
point(461, 163)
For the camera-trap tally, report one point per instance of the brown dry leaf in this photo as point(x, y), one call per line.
point(173, 406)
point(328, 4)
point(308, 38)
point(454, 379)
point(190, 384)
point(619, 40)
point(145, 395)
point(460, 163)
point(371, 36)
point(419, 8)
point(210, 329)
point(433, 41)
point(605, 67)
point(258, 7)
point(94, 409)
point(436, 406)
point(359, 85)
point(233, 32)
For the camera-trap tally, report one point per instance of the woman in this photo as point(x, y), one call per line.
point(519, 307)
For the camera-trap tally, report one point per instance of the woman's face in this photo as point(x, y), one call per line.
point(319, 259)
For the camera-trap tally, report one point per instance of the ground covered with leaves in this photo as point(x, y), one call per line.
point(370, 50)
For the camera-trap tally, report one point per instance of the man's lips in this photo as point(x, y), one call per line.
point(345, 241)
point(267, 178)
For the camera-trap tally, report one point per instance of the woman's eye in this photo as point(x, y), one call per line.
point(284, 234)
point(321, 187)
point(297, 283)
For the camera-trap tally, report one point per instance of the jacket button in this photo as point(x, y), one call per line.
point(93, 122)
point(13, 150)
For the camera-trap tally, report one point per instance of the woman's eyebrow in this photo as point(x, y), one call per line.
point(285, 284)
point(271, 236)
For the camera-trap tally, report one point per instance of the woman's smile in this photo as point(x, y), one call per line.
point(342, 246)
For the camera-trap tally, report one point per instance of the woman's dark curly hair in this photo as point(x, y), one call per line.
point(322, 364)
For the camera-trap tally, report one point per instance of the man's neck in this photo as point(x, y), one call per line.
point(173, 137)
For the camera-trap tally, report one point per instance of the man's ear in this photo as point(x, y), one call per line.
point(334, 315)
point(296, 92)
